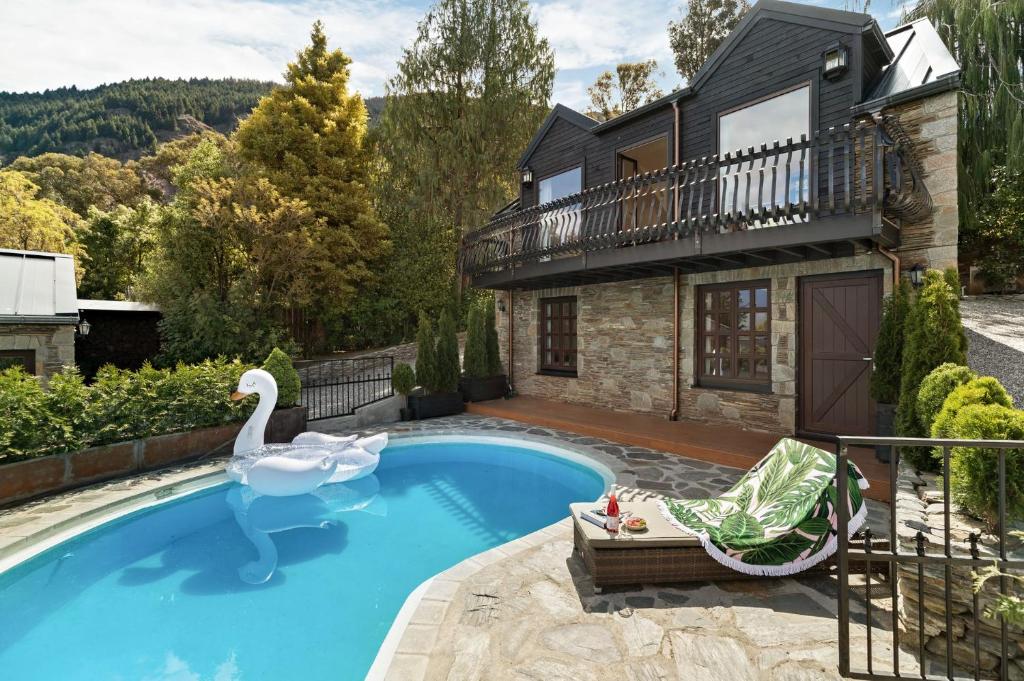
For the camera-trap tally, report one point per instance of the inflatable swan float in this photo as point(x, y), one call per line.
point(311, 460)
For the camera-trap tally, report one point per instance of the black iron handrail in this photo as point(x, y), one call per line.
point(920, 558)
point(832, 173)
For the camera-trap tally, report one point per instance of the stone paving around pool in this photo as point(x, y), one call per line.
point(528, 611)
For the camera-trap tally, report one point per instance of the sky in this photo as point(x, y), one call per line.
point(53, 43)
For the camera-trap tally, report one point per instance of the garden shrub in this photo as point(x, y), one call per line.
point(885, 380)
point(426, 355)
point(120, 405)
point(403, 379)
point(936, 387)
point(494, 367)
point(984, 391)
point(289, 387)
point(474, 362)
point(447, 355)
point(974, 470)
point(933, 336)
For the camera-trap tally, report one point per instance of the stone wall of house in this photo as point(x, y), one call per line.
point(920, 509)
point(624, 359)
point(54, 344)
point(932, 124)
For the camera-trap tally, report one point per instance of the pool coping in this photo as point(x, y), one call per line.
point(404, 652)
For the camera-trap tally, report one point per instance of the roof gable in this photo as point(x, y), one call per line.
point(559, 112)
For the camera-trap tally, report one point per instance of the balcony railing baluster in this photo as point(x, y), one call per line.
point(781, 183)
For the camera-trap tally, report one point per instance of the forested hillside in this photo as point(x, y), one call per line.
point(123, 120)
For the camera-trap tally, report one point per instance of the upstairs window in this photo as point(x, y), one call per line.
point(734, 340)
point(782, 116)
point(560, 224)
point(558, 335)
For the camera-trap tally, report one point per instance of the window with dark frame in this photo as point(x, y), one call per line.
point(26, 359)
point(558, 335)
point(734, 339)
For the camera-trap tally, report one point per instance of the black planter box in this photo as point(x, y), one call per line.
point(885, 421)
point(483, 389)
point(432, 406)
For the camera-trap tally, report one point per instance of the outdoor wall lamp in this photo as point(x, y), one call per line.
point(501, 306)
point(84, 327)
point(527, 176)
point(917, 275)
point(835, 61)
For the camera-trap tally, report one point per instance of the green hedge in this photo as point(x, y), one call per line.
point(289, 387)
point(120, 405)
point(985, 390)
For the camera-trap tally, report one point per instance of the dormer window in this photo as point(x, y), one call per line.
point(835, 61)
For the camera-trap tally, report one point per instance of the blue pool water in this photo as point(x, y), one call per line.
point(219, 585)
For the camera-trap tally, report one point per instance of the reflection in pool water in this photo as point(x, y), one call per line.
point(224, 585)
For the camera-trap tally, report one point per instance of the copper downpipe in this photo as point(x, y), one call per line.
point(895, 265)
point(511, 329)
point(674, 414)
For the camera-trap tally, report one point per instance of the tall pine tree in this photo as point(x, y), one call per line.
point(309, 139)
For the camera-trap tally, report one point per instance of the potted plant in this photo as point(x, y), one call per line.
point(437, 368)
point(482, 378)
point(403, 380)
point(885, 379)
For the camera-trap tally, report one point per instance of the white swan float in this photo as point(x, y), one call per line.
point(309, 461)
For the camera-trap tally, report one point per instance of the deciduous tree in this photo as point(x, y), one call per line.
point(700, 31)
point(116, 245)
point(31, 222)
point(631, 85)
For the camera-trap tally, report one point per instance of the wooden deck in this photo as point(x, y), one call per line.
point(717, 444)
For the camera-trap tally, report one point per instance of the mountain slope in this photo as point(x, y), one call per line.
point(123, 120)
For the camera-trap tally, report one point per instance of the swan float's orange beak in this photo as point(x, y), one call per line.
point(238, 395)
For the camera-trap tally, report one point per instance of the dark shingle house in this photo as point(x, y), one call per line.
point(721, 254)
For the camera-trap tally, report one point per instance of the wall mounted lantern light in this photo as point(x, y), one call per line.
point(917, 275)
point(835, 61)
point(527, 176)
point(84, 327)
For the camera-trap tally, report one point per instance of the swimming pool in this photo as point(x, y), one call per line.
point(221, 585)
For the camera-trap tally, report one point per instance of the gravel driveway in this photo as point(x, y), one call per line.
point(995, 334)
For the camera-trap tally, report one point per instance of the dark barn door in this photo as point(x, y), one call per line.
point(839, 318)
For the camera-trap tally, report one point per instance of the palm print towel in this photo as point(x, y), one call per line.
point(780, 518)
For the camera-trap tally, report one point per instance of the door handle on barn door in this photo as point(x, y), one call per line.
point(870, 359)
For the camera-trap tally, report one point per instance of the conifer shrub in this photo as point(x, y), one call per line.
point(984, 391)
point(494, 367)
point(933, 336)
point(447, 355)
point(475, 364)
point(885, 380)
point(289, 386)
point(426, 355)
point(974, 471)
point(403, 379)
point(936, 387)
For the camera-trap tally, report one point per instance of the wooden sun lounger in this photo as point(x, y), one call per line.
point(662, 555)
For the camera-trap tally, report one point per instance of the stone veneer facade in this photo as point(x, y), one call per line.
point(624, 329)
point(54, 344)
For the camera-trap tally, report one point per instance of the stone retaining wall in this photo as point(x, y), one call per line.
point(919, 507)
point(24, 480)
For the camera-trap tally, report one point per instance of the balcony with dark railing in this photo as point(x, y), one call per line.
point(785, 201)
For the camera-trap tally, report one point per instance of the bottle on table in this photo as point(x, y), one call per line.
point(611, 514)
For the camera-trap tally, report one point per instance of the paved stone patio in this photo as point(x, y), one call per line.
point(527, 610)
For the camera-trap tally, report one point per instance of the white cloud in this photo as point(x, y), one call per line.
point(49, 43)
point(587, 33)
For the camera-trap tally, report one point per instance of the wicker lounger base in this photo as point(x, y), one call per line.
point(633, 565)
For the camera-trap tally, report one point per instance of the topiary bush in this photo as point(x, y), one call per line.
point(885, 380)
point(447, 355)
point(403, 379)
point(426, 355)
point(974, 470)
point(984, 391)
point(289, 387)
point(494, 367)
point(933, 336)
point(936, 387)
point(474, 361)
